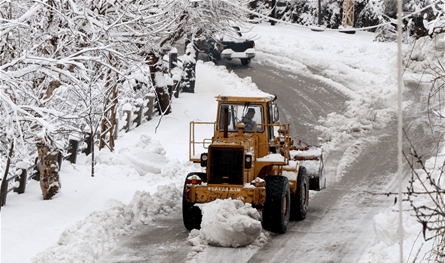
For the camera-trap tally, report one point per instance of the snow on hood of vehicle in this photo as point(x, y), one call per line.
point(228, 223)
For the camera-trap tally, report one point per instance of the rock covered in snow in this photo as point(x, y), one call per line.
point(230, 223)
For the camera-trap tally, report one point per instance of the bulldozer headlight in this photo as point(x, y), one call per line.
point(194, 179)
point(248, 162)
point(204, 158)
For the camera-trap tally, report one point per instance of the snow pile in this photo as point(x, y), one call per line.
point(146, 156)
point(386, 245)
point(227, 223)
point(88, 239)
point(424, 53)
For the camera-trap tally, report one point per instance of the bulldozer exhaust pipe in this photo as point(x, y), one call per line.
point(226, 122)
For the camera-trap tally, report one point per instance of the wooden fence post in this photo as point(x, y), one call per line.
point(116, 131)
point(73, 150)
point(188, 81)
point(23, 177)
point(172, 61)
point(138, 113)
point(149, 112)
point(88, 150)
point(37, 176)
point(128, 119)
point(170, 90)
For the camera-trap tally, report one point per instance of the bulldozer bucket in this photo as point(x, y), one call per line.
point(311, 157)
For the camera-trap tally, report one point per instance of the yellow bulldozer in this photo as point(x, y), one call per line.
point(252, 158)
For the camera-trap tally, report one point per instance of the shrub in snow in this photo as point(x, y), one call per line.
point(229, 223)
point(426, 195)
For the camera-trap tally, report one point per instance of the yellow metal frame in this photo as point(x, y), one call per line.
point(206, 141)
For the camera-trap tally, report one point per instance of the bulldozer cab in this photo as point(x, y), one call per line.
point(247, 118)
point(249, 115)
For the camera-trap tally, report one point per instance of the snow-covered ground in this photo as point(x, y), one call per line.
point(142, 180)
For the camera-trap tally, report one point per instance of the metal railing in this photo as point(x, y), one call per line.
point(193, 142)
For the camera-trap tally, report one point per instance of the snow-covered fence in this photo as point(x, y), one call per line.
point(17, 182)
point(175, 70)
point(189, 68)
point(18, 185)
point(73, 149)
point(144, 109)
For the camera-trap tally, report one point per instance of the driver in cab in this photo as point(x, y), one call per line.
point(248, 120)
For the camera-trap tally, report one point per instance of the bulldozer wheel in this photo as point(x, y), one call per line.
point(300, 202)
point(191, 214)
point(277, 206)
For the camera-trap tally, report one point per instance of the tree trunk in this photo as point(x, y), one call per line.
point(92, 154)
point(272, 14)
point(49, 170)
point(162, 92)
point(4, 185)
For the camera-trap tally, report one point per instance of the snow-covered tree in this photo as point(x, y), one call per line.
point(60, 59)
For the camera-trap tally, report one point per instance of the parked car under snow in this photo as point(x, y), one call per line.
point(227, 47)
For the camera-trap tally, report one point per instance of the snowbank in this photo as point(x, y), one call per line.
point(89, 238)
point(229, 223)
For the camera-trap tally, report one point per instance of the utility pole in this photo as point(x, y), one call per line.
point(319, 12)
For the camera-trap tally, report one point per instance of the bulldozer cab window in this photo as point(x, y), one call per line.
point(250, 115)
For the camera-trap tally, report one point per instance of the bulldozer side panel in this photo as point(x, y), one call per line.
point(204, 194)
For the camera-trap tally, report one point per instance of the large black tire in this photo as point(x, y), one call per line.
point(300, 200)
point(191, 214)
point(245, 61)
point(276, 209)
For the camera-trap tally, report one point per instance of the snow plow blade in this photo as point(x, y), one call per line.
point(311, 157)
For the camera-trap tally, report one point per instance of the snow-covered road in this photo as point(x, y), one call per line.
point(340, 223)
point(335, 90)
